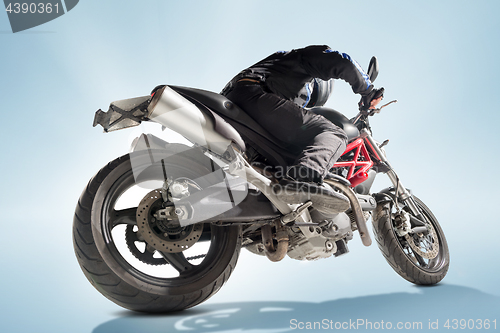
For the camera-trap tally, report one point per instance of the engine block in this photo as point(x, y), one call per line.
point(309, 243)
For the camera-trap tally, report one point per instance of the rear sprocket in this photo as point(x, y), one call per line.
point(147, 256)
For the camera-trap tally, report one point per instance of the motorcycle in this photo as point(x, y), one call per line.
point(160, 229)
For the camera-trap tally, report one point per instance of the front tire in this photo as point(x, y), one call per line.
point(405, 261)
point(97, 246)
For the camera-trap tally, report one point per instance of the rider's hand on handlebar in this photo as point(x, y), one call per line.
point(371, 100)
point(375, 101)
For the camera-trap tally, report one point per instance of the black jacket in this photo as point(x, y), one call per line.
point(287, 73)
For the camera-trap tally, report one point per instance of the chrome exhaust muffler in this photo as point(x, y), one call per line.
point(175, 112)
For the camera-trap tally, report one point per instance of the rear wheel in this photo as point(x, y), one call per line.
point(151, 267)
point(420, 259)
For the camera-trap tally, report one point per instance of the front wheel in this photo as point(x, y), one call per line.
point(420, 259)
point(162, 268)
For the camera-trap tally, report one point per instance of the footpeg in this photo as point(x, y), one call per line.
point(291, 217)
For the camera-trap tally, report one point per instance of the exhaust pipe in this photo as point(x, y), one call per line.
point(278, 253)
point(356, 210)
point(175, 112)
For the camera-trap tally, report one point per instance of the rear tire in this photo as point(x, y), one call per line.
point(398, 253)
point(116, 278)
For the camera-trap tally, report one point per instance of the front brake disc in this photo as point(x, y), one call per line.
point(426, 246)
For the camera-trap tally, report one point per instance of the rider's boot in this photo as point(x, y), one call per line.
point(301, 185)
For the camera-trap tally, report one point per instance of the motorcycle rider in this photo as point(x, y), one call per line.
point(275, 91)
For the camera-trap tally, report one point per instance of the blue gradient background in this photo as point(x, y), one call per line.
point(440, 59)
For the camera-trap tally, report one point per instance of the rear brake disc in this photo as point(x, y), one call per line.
point(164, 234)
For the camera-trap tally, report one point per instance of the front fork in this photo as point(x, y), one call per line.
point(402, 194)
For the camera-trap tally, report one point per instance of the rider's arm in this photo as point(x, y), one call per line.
point(324, 63)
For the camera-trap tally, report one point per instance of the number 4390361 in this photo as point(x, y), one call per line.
point(24, 8)
point(471, 324)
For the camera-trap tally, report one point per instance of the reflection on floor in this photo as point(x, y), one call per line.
point(426, 310)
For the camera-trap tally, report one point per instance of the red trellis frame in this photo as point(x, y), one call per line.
point(360, 163)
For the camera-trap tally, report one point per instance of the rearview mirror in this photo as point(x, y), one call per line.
point(373, 69)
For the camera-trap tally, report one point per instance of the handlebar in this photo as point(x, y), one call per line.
point(362, 115)
point(373, 111)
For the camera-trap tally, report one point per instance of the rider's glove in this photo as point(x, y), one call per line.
point(366, 100)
